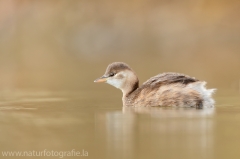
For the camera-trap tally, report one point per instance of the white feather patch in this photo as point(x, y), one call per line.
point(206, 93)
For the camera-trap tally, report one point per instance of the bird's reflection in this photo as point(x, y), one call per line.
point(128, 134)
point(169, 111)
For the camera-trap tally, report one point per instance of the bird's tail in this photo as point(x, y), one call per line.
point(206, 94)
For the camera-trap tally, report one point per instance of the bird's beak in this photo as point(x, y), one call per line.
point(101, 79)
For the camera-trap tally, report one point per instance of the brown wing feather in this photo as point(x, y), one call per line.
point(169, 78)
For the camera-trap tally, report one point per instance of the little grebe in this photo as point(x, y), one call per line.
point(166, 89)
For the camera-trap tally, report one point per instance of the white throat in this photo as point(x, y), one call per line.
point(123, 80)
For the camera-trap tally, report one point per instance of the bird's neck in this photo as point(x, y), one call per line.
point(128, 91)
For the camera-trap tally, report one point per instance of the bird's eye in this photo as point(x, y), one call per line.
point(111, 74)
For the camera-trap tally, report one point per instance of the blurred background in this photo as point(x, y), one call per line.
point(51, 51)
point(66, 44)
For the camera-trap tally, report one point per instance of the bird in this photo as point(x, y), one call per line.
point(166, 89)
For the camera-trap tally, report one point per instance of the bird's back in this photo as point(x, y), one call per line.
point(171, 89)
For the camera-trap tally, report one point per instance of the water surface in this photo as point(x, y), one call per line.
point(94, 121)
